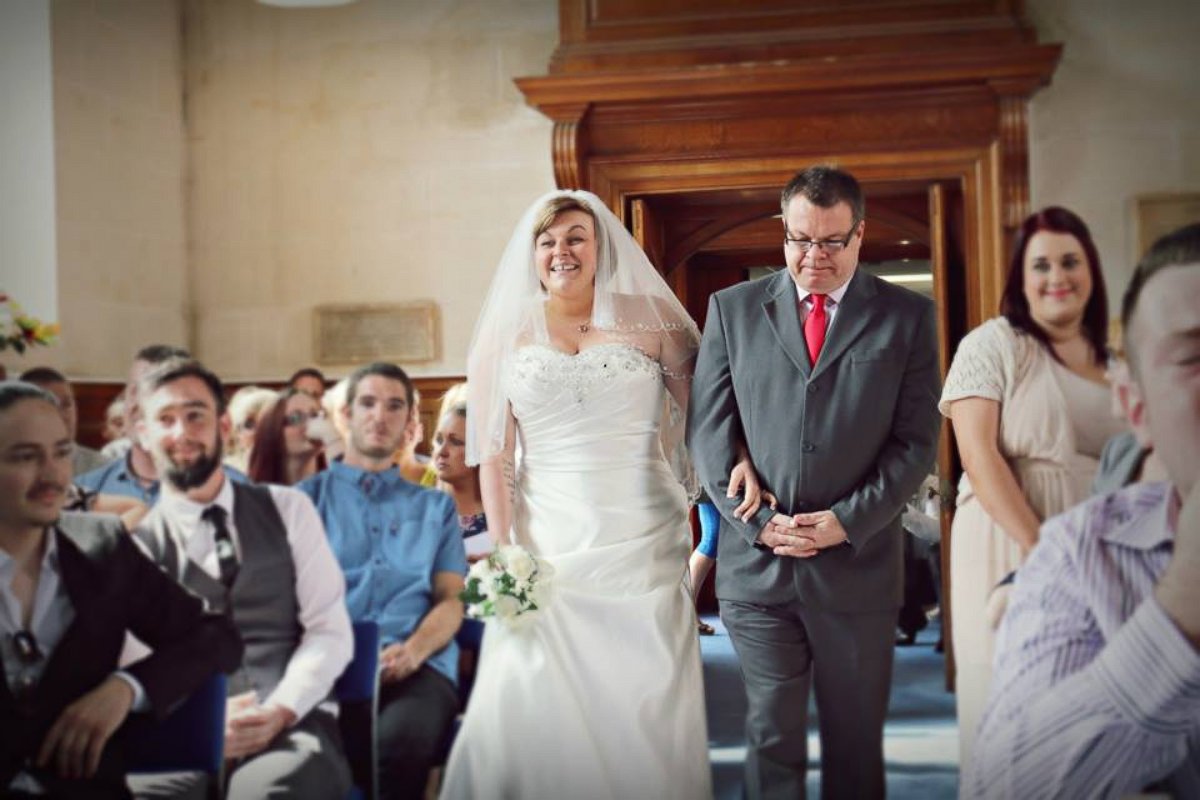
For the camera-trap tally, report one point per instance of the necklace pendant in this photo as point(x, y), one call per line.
point(584, 327)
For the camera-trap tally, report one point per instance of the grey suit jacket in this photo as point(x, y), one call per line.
point(856, 434)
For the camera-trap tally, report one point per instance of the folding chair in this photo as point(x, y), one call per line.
point(357, 692)
point(190, 739)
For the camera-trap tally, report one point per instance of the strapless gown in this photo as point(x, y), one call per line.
point(601, 697)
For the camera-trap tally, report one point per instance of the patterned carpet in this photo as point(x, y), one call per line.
point(920, 738)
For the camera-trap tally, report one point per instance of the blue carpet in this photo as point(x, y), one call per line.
point(920, 737)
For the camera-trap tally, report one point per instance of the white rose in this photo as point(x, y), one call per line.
point(507, 607)
point(520, 564)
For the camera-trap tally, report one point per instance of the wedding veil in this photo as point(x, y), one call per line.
point(632, 304)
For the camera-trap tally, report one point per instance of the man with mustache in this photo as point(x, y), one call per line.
point(70, 586)
point(403, 555)
point(258, 552)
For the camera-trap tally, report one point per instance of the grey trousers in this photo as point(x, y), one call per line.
point(306, 762)
point(847, 659)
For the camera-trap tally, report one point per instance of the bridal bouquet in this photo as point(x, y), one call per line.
point(510, 585)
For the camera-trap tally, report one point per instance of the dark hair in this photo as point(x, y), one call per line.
point(43, 375)
point(13, 392)
point(825, 186)
point(268, 456)
point(174, 369)
point(158, 353)
point(1015, 307)
point(384, 370)
point(1175, 249)
point(306, 372)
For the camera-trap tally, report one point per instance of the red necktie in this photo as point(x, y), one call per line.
point(814, 327)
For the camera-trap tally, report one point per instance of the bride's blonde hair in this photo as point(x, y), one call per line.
point(556, 206)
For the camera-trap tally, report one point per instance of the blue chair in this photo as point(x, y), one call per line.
point(190, 739)
point(357, 692)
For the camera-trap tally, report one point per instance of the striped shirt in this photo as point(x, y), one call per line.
point(1095, 693)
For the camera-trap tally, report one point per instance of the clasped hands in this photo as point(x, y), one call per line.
point(397, 661)
point(802, 535)
point(250, 727)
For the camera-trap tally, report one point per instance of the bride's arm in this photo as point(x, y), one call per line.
point(498, 484)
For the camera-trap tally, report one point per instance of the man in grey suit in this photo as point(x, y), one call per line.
point(830, 377)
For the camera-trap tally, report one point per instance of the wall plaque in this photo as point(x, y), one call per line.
point(405, 333)
point(1156, 215)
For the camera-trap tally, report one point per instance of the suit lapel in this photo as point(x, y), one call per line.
point(853, 317)
point(80, 581)
point(783, 315)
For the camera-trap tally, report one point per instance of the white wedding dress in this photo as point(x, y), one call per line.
point(601, 697)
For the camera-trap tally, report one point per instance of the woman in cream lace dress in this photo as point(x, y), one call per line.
point(1031, 413)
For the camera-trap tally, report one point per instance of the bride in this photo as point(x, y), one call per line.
point(581, 361)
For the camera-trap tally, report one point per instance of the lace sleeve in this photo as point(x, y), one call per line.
point(979, 365)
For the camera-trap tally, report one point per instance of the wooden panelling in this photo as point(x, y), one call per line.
point(636, 34)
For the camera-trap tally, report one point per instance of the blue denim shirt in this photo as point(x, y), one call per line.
point(117, 477)
point(391, 537)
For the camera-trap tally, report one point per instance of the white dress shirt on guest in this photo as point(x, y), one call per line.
point(327, 643)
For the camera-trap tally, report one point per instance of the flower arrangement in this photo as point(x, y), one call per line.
point(511, 585)
point(20, 330)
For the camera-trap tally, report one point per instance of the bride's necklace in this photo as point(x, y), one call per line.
point(582, 327)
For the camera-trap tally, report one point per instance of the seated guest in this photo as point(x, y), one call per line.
point(245, 408)
point(259, 553)
point(116, 439)
point(72, 584)
point(1123, 460)
point(85, 459)
point(461, 481)
point(135, 475)
point(114, 420)
point(334, 404)
point(309, 380)
point(415, 467)
point(290, 440)
point(402, 552)
point(1097, 683)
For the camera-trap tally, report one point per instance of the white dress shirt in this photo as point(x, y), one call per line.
point(833, 301)
point(327, 643)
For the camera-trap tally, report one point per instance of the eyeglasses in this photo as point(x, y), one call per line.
point(300, 418)
point(830, 246)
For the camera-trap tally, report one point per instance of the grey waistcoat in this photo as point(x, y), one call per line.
point(263, 596)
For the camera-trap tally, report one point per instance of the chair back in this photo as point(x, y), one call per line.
point(360, 681)
point(357, 690)
point(190, 739)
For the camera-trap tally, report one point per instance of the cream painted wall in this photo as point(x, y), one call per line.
point(27, 256)
point(1121, 118)
point(375, 152)
point(119, 148)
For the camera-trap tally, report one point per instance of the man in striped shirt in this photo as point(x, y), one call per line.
point(1096, 690)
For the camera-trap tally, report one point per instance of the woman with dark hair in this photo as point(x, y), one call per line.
point(289, 441)
point(1029, 405)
